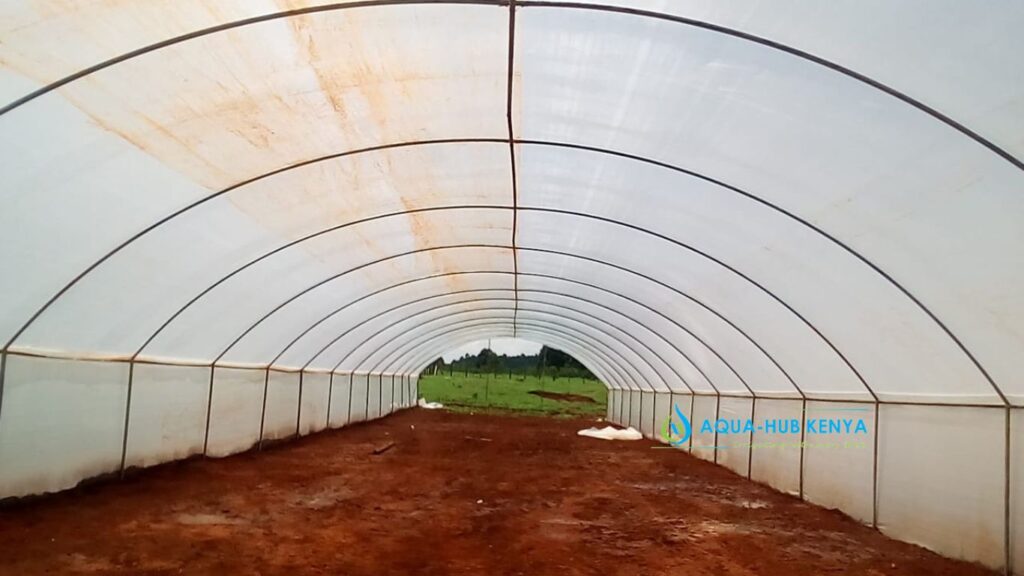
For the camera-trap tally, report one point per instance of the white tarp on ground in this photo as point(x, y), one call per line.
point(293, 208)
point(611, 433)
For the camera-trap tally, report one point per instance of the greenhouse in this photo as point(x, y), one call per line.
point(228, 224)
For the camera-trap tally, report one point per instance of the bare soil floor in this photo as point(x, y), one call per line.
point(455, 494)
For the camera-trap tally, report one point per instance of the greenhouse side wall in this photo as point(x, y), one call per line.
point(64, 420)
point(940, 479)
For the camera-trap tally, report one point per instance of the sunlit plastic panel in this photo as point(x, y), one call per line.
point(961, 512)
point(348, 335)
point(63, 422)
point(297, 288)
point(382, 346)
point(357, 399)
point(642, 324)
point(94, 33)
point(147, 282)
point(783, 253)
point(613, 337)
point(219, 109)
point(654, 371)
point(646, 424)
point(806, 357)
point(899, 56)
point(339, 395)
point(716, 332)
point(368, 353)
point(630, 367)
point(315, 402)
point(841, 478)
point(167, 419)
point(787, 256)
point(235, 411)
point(892, 182)
point(281, 408)
point(417, 354)
point(777, 455)
point(620, 328)
point(702, 442)
point(633, 407)
point(373, 399)
point(350, 314)
point(734, 448)
point(421, 354)
point(657, 327)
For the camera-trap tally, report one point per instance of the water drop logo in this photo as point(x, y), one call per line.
point(671, 432)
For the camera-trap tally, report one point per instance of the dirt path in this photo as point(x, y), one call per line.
point(456, 494)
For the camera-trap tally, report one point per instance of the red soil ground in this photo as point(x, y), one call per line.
point(456, 494)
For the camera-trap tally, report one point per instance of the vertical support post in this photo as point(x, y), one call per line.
point(693, 400)
point(127, 416)
point(351, 385)
point(380, 394)
point(263, 414)
point(803, 443)
point(298, 408)
point(367, 413)
point(3, 374)
point(1007, 490)
point(718, 406)
point(750, 449)
point(209, 409)
point(330, 397)
point(874, 470)
point(640, 413)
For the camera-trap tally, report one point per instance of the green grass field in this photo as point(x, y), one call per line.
point(497, 392)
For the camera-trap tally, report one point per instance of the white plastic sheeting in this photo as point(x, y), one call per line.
point(223, 227)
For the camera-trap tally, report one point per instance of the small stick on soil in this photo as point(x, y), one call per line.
point(480, 439)
point(382, 449)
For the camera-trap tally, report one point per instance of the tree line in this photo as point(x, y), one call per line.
point(548, 362)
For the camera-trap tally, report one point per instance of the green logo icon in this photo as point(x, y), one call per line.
point(670, 430)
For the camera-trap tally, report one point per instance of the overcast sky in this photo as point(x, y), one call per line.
point(510, 346)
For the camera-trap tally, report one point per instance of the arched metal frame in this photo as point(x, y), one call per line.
point(658, 236)
point(400, 348)
point(415, 361)
point(592, 357)
point(631, 367)
point(548, 277)
point(513, 5)
point(583, 346)
point(631, 272)
point(381, 260)
point(580, 346)
point(581, 300)
point(397, 340)
point(620, 373)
